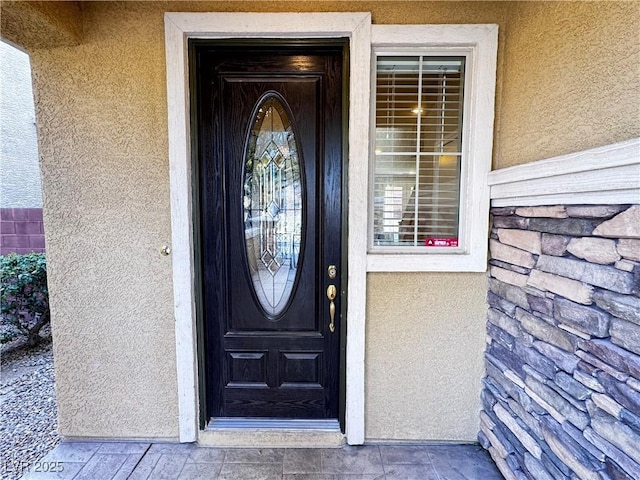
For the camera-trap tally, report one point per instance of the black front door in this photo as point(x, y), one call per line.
point(269, 149)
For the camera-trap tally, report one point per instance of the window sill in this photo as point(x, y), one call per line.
point(427, 262)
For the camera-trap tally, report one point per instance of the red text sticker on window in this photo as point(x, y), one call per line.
point(440, 242)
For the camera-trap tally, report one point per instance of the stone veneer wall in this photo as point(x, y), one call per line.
point(21, 230)
point(561, 396)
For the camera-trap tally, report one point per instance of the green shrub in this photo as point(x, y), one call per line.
point(24, 298)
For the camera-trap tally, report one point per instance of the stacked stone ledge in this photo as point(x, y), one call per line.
point(561, 395)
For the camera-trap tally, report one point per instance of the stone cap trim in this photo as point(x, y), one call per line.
point(603, 175)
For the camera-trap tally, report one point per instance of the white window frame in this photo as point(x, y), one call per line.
point(479, 45)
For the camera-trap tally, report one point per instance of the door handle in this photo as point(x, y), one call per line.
point(331, 295)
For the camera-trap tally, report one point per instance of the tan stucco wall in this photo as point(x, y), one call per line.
point(424, 364)
point(101, 110)
point(102, 119)
point(570, 79)
point(41, 24)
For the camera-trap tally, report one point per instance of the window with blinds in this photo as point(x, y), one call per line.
point(418, 149)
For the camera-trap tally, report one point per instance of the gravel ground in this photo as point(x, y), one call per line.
point(28, 430)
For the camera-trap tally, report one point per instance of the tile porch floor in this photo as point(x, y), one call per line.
point(138, 461)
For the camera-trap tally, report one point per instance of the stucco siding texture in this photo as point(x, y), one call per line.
point(102, 114)
point(102, 111)
point(19, 171)
point(41, 24)
point(424, 356)
point(570, 79)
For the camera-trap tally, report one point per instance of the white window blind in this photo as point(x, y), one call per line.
point(417, 159)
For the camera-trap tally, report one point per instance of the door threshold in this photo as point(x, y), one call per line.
point(274, 423)
point(272, 433)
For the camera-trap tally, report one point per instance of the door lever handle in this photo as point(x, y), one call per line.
point(331, 295)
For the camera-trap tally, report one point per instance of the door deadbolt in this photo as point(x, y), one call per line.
point(332, 271)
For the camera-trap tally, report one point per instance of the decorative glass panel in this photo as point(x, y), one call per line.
point(418, 150)
point(272, 205)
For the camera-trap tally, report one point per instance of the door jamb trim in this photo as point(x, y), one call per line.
point(179, 28)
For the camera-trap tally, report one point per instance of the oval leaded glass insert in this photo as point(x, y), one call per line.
point(272, 204)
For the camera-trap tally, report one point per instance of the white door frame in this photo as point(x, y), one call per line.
point(179, 28)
